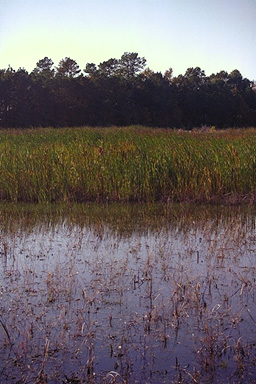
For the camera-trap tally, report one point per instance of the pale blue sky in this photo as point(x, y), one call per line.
point(212, 34)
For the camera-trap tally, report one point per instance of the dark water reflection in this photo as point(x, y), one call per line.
point(127, 293)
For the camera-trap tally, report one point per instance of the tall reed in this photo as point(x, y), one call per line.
point(128, 164)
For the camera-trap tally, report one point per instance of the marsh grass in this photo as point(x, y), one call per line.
point(128, 164)
point(168, 298)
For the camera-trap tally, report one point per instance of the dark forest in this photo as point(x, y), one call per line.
point(123, 92)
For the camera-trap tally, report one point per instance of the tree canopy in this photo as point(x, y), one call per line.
point(123, 92)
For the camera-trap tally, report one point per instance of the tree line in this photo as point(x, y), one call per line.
point(123, 92)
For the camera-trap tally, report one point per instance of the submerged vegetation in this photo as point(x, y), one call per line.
point(128, 164)
point(126, 294)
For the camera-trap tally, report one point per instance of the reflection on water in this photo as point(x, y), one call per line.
point(127, 293)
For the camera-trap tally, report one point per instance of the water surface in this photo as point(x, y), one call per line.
point(127, 293)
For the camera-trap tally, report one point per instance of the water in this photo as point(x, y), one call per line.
point(127, 294)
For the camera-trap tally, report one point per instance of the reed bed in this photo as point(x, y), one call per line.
point(128, 164)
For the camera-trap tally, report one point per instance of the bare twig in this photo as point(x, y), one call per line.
point(6, 330)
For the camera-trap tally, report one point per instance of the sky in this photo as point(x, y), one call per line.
point(214, 35)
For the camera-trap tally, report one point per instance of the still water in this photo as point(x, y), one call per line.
point(127, 294)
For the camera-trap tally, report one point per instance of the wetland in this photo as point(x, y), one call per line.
point(127, 293)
